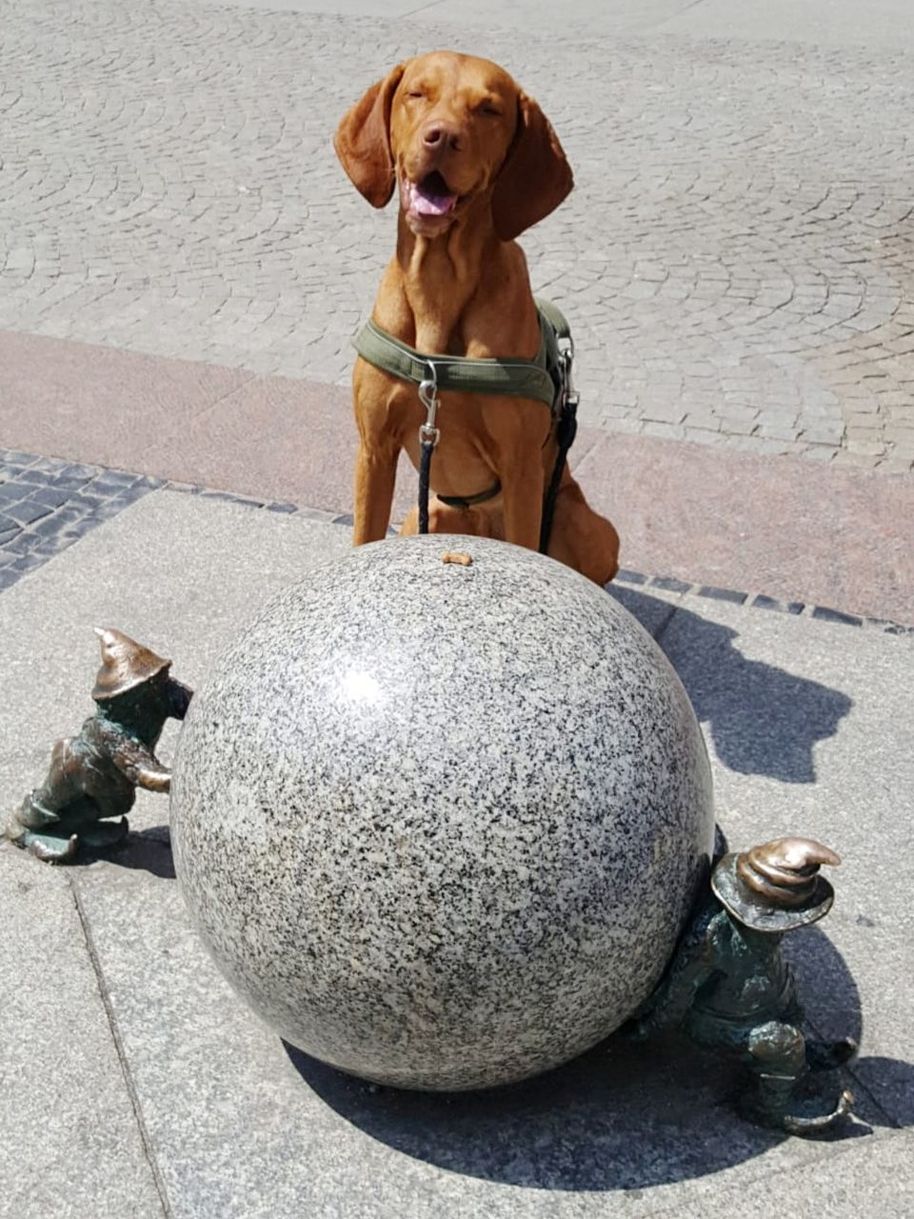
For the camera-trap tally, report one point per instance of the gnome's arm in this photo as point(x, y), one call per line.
point(140, 765)
point(692, 965)
point(179, 697)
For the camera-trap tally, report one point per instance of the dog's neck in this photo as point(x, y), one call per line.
point(448, 290)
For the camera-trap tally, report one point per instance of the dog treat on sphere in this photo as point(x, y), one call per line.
point(442, 832)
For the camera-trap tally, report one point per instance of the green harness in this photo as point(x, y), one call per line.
point(546, 379)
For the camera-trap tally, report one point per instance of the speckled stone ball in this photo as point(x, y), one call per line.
point(441, 825)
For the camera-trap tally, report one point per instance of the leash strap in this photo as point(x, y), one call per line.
point(567, 414)
point(428, 438)
point(425, 465)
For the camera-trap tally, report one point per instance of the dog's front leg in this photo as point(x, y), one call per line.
point(522, 489)
point(375, 475)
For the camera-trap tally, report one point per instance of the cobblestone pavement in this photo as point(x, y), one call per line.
point(46, 505)
point(737, 258)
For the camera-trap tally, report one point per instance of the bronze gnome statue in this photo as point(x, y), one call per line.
point(93, 777)
point(730, 989)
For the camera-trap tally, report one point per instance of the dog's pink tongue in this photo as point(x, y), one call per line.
point(428, 204)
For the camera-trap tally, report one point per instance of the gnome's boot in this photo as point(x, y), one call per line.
point(815, 1114)
point(56, 837)
point(101, 835)
point(778, 1062)
point(826, 1055)
point(772, 1102)
point(767, 1098)
point(38, 830)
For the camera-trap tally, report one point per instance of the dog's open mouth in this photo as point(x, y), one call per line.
point(430, 196)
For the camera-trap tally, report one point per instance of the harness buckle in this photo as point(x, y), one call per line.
point(428, 396)
point(566, 356)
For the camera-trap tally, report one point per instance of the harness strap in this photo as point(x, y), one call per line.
point(547, 380)
point(511, 377)
point(467, 501)
point(555, 317)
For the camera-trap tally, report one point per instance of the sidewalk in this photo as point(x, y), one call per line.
point(182, 263)
point(136, 1084)
point(735, 258)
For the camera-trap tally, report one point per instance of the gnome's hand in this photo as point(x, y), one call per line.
point(154, 780)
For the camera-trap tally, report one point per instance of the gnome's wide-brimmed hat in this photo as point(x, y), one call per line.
point(125, 664)
point(776, 887)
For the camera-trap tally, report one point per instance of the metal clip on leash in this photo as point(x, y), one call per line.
point(570, 394)
point(428, 438)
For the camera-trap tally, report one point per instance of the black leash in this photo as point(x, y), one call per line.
point(425, 465)
point(428, 439)
point(565, 433)
point(566, 429)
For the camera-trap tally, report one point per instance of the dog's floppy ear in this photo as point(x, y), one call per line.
point(535, 177)
point(362, 140)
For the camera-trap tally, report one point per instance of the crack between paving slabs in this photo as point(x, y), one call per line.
point(121, 1053)
point(816, 1150)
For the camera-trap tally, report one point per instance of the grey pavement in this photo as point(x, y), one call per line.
point(736, 259)
point(128, 1064)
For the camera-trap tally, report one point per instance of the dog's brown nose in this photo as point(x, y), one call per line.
point(440, 136)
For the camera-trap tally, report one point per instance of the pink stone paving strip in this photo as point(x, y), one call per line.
point(779, 527)
point(97, 404)
point(833, 536)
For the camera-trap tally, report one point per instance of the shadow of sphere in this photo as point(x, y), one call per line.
point(623, 1116)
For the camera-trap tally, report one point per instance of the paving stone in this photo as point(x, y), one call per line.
point(53, 497)
point(79, 1149)
point(26, 511)
point(76, 472)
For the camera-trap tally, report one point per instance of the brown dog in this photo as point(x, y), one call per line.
point(476, 162)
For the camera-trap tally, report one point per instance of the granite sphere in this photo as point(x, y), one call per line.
point(441, 825)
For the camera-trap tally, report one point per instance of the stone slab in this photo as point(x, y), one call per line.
point(862, 1178)
point(241, 1127)
point(73, 1146)
point(179, 572)
point(621, 16)
point(653, 607)
point(832, 23)
point(789, 529)
point(810, 729)
point(279, 438)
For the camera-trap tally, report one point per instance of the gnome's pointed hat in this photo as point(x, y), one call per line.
point(125, 664)
point(776, 887)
